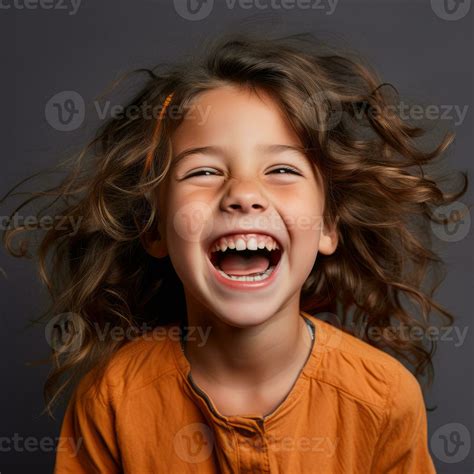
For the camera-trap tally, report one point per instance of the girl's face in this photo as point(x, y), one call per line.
point(227, 178)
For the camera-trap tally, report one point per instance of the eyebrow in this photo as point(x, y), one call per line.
point(217, 150)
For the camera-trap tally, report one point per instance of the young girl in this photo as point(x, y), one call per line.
point(276, 184)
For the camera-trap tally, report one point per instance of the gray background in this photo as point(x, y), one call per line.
point(427, 57)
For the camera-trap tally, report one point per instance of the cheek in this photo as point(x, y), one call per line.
point(303, 213)
point(189, 220)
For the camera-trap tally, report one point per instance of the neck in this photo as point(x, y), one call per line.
point(253, 356)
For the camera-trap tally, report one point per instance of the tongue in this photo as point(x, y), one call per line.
point(235, 264)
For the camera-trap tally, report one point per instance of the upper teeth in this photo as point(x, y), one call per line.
point(245, 242)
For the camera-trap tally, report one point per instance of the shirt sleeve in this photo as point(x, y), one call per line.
point(87, 442)
point(403, 446)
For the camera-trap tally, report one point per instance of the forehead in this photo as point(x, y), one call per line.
point(230, 114)
point(237, 119)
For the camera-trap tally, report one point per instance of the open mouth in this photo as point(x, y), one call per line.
point(245, 265)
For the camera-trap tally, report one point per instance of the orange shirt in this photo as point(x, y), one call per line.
point(352, 409)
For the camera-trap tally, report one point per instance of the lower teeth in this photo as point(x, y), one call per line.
point(260, 276)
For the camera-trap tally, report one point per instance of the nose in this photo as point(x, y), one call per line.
point(245, 196)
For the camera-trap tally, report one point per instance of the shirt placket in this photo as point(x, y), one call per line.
point(240, 441)
point(250, 444)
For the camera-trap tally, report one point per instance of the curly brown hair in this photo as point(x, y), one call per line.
point(377, 191)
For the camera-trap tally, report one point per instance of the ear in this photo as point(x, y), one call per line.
point(154, 241)
point(328, 239)
point(154, 244)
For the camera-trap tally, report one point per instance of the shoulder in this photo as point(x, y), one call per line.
point(361, 371)
point(139, 362)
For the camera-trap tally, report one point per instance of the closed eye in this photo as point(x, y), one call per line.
point(291, 170)
point(199, 173)
point(285, 168)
